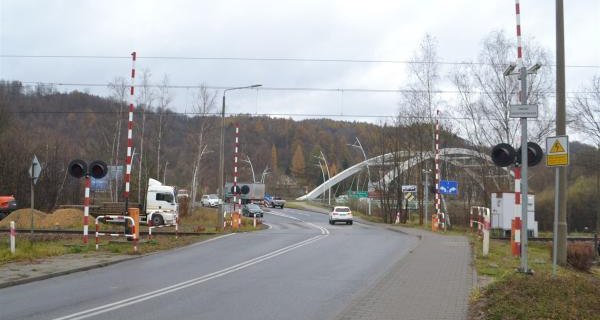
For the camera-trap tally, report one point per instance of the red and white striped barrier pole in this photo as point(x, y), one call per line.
point(437, 166)
point(13, 234)
point(86, 209)
point(519, 43)
point(235, 167)
point(130, 132)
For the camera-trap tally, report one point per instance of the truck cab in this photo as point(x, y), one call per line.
point(161, 203)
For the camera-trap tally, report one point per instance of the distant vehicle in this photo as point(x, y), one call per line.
point(340, 214)
point(248, 192)
point(274, 202)
point(210, 200)
point(342, 199)
point(251, 209)
point(8, 204)
point(182, 193)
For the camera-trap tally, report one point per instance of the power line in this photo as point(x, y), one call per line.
point(109, 57)
point(232, 114)
point(263, 88)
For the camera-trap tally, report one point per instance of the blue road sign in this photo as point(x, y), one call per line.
point(449, 187)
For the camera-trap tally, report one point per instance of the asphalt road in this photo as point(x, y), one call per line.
point(300, 268)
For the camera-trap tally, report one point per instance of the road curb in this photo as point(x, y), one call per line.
point(13, 283)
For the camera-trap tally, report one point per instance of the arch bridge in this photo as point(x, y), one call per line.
point(466, 159)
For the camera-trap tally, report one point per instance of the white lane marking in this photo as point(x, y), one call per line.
point(323, 230)
point(182, 285)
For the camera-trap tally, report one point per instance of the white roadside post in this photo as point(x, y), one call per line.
point(486, 232)
point(13, 233)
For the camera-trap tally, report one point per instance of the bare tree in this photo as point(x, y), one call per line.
point(145, 100)
point(421, 99)
point(587, 111)
point(118, 89)
point(587, 121)
point(203, 104)
point(164, 99)
point(485, 94)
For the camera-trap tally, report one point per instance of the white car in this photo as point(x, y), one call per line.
point(210, 200)
point(340, 214)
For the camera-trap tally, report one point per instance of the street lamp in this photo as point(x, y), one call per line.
point(357, 144)
point(222, 153)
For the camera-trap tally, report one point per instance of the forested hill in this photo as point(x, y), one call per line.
point(58, 127)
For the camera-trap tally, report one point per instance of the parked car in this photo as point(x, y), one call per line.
point(340, 214)
point(251, 209)
point(211, 200)
point(8, 204)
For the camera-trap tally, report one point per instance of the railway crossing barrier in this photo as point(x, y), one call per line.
point(117, 219)
point(152, 226)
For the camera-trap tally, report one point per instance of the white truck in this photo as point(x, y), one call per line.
point(161, 204)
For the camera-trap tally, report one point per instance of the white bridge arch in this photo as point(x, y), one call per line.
point(450, 155)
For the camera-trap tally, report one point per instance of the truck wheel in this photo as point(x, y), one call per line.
point(281, 207)
point(157, 220)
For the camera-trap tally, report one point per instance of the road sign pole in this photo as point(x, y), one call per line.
point(524, 184)
point(32, 195)
point(555, 230)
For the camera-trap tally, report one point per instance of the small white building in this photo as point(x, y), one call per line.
point(504, 210)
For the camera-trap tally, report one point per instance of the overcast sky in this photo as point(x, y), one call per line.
point(355, 30)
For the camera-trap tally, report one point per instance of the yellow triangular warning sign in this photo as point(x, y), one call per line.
point(557, 148)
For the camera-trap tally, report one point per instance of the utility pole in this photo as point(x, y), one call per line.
point(560, 131)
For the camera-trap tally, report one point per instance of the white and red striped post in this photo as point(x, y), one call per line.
point(437, 166)
point(13, 234)
point(130, 133)
point(97, 234)
point(86, 209)
point(517, 172)
point(235, 169)
point(519, 44)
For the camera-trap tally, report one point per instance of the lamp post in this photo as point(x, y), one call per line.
point(357, 144)
point(222, 153)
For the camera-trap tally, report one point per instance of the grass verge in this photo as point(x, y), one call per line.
point(37, 246)
point(512, 295)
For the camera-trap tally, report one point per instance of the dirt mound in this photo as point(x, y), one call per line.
point(64, 218)
point(22, 219)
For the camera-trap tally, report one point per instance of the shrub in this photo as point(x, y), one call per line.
point(580, 255)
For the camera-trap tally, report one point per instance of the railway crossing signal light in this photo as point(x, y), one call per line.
point(504, 155)
point(534, 154)
point(245, 189)
point(77, 168)
point(98, 169)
